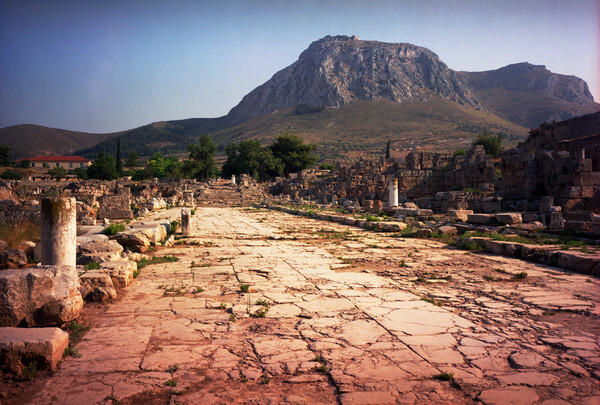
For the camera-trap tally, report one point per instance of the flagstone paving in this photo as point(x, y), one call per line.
point(335, 314)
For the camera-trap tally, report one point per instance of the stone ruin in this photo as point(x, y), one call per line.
point(559, 163)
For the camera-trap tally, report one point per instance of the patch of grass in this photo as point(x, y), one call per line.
point(136, 273)
point(113, 229)
point(173, 368)
point(318, 358)
point(174, 226)
point(171, 382)
point(71, 352)
point(520, 276)
point(403, 263)
point(232, 318)
point(491, 278)
point(222, 305)
point(92, 266)
point(197, 290)
point(156, 260)
point(31, 371)
point(264, 379)
point(444, 376)
point(244, 288)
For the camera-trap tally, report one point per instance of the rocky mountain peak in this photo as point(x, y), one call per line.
point(338, 70)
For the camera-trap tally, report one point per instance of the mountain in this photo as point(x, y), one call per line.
point(529, 94)
point(336, 71)
point(349, 96)
point(33, 140)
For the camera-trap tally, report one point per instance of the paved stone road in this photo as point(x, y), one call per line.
point(354, 317)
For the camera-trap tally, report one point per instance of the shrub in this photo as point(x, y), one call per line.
point(491, 144)
point(10, 175)
point(113, 229)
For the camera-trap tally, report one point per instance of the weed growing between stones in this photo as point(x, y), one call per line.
point(232, 318)
point(197, 290)
point(520, 276)
point(265, 379)
point(173, 368)
point(171, 382)
point(244, 288)
point(432, 301)
point(322, 368)
point(76, 330)
point(71, 352)
point(31, 371)
point(156, 260)
point(444, 376)
point(136, 273)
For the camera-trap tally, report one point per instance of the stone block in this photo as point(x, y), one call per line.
point(12, 259)
point(459, 215)
point(424, 213)
point(530, 217)
point(509, 218)
point(97, 286)
point(481, 218)
point(121, 272)
point(20, 346)
point(40, 296)
point(447, 230)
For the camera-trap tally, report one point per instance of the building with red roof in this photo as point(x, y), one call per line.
point(68, 162)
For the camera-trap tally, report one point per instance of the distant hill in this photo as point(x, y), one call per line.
point(364, 127)
point(33, 140)
point(529, 94)
point(350, 96)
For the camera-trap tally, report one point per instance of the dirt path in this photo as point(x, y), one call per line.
point(338, 314)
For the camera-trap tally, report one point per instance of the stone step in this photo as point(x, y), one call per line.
point(20, 347)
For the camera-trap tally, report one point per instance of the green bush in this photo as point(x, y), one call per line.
point(113, 229)
point(10, 175)
point(492, 144)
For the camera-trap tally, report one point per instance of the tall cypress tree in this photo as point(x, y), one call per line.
point(387, 149)
point(119, 164)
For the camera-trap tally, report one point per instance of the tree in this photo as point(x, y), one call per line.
point(201, 163)
point(119, 164)
point(161, 166)
point(4, 155)
point(249, 157)
point(387, 149)
point(132, 159)
point(293, 153)
point(58, 172)
point(492, 144)
point(10, 175)
point(103, 168)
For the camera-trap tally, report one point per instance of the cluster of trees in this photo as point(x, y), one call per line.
point(287, 154)
point(6, 161)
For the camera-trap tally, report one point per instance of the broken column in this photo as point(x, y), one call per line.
point(59, 231)
point(233, 179)
point(188, 198)
point(393, 192)
point(186, 221)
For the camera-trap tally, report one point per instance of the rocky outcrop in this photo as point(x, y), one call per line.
point(529, 94)
point(98, 251)
point(12, 259)
point(41, 296)
point(335, 71)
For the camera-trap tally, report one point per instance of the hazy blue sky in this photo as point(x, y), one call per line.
point(103, 66)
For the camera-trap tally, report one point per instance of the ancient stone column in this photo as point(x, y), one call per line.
point(186, 221)
point(233, 179)
point(59, 231)
point(393, 192)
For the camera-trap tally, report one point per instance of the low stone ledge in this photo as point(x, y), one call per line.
point(21, 346)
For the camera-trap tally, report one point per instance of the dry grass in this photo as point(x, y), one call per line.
point(15, 234)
